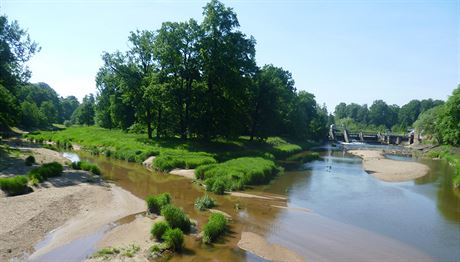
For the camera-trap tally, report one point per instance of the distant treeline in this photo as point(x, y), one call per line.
point(437, 121)
point(193, 79)
point(381, 116)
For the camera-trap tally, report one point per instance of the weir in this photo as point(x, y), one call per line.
point(344, 135)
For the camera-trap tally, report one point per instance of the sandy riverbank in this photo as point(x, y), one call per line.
point(259, 246)
point(68, 204)
point(375, 163)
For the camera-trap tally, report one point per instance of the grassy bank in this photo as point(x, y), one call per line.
point(452, 155)
point(236, 173)
point(171, 153)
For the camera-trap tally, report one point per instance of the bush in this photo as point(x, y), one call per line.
point(176, 218)
point(67, 123)
point(30, 160)
point(45, 171)
point(159, 228)
point(215, 227)
point(205, 202)
point(156, 203)
point(236, 173)
point(174, 238)
point(14, 185)
point(456, 181)
point(87, 166)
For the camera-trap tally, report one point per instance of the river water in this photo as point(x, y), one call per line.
point(335, 211)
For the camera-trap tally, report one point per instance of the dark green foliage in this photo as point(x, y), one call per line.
point(45, 171)
point(204, 202)
point(176, 218)
point(215, 227)
point(156, 203)
point(304, 157)
point(87, 166)
point(30, 160)
point(159, 228)
point(14, 185)
point(84, 114)
point(174, 238)
point(235, 173)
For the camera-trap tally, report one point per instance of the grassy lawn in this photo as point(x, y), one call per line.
point(243, 161)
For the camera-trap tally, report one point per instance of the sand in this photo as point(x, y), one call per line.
point(375, 163)
point(67, 204)
point(259, 246)
point(264, 197)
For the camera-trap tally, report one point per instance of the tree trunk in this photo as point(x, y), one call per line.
point(159, 122)
point(149, 123)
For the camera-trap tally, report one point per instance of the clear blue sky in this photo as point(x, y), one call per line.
point(351, 51)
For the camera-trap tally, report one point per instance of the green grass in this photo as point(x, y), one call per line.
point(176, 218)
point(106, 252)
point(174, 239)
point(215, 227)
point(156, 203)
point(236, 173)
point(205, 202)
point(158, 229)
point(452, 155)
point(45, 171)
point(87, 166)
point(170, 153)
point(304, 157)
point(182, 159)
point(14, 185)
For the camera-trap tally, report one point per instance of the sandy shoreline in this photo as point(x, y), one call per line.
point(68, 205)
point(259, 246)
point(375, 163)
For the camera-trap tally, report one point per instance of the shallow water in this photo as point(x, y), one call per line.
point(353, 217)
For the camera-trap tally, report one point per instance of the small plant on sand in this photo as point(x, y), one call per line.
point(159, 228)
point(174, 238)
point(30, 160)
point(14, 185)
point(204, 202)
point(215, 227)
point(156, 203)
point(130, 250)
point(176, 218)
point(106, 252)
point(87, 166)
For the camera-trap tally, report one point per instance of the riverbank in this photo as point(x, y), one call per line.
point(375, 164)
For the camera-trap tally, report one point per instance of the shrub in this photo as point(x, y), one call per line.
point(159, 228)
point(215, 227)
point(176, 218)
point(236, 173)
point(45, 171)
point(156, 203)
point(205, 202)
point(174, 238)
point(14, 185)
point(30, 160)
point(106, 252)
point(67, 123)
point(87, 166)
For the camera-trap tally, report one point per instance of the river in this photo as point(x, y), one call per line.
point(336, 211)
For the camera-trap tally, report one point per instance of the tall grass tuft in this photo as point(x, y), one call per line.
point(204, 202)
point(215, 227)
point(14, 185)
point(236, 173)
point(87, 166)
point(174, 238)
point(176, 218)
point(156, 203)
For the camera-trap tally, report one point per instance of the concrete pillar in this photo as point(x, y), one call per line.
point(361, 137)
point(345, 136)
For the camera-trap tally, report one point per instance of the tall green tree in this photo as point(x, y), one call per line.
point(85, 113)
point(16, 48)
point(449, 123)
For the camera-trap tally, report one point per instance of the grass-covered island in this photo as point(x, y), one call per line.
point(222, 164)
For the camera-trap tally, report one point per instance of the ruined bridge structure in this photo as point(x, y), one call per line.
point(344, 135)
